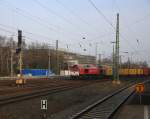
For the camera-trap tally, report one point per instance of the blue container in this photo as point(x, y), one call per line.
point(36, 72)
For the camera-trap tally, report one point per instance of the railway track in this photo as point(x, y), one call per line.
point(107, 106)
point(42, 91)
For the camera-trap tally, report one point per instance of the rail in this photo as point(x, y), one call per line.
point(105, 107)
point(34, 77)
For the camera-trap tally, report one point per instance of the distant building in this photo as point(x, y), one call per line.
point(39, 58)
point(72, 58)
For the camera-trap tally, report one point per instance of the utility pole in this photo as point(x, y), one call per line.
point(128, 61)
point(11, 59)
point(99, 59)
point(113, 67)
point(57, 58)
point(117, 52)
point(129, 64)
point(131, 60)
point(121, 61)
point(49, 61)
point(96, 53)
point(68, 59)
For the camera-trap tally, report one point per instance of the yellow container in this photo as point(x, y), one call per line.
point(138, 72)
point(141, 72)
point(132, 71)
point(108, 71)
point(121, 71)
point(125, 72)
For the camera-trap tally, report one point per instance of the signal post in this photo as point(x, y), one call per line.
point(20, 81)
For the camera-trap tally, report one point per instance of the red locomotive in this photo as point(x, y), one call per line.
point(85, 71)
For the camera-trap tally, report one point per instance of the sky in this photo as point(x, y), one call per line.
point(78, 25)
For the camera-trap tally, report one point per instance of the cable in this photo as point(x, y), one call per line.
point(74, 14)
point(34, 34)
point(5, 30)
point(29, 16)
point(35, 19)
point(105, 18)
point(127, 25)
point(54, 13)
point(9, 31)
point(32, 39)
point(101, 14)
point(32, 17)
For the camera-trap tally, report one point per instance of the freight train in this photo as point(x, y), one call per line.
point(93, 71)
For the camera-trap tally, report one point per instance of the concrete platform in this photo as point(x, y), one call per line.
point(134, 112)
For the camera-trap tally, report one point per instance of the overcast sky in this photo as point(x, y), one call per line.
point(70, 20)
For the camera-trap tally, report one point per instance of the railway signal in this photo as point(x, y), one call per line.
point(18, 50)
point(20, 81)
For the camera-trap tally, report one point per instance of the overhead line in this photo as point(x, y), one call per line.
point(125, 19)
point(13, 33)
point(34, 18)
point(54, 13)
point(74, 14)
point(101, 13)
point(105, 18)
point(34, 34)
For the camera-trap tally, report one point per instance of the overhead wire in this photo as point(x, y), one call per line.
point(12, 32)
point(76, 15)
point(30, 33)
point(38, 20)
point(58, 15)
point(28, 15)
point(101, 13)
point(127, 26)
point(45, 37)
point(107, 20)
point(26, 37)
